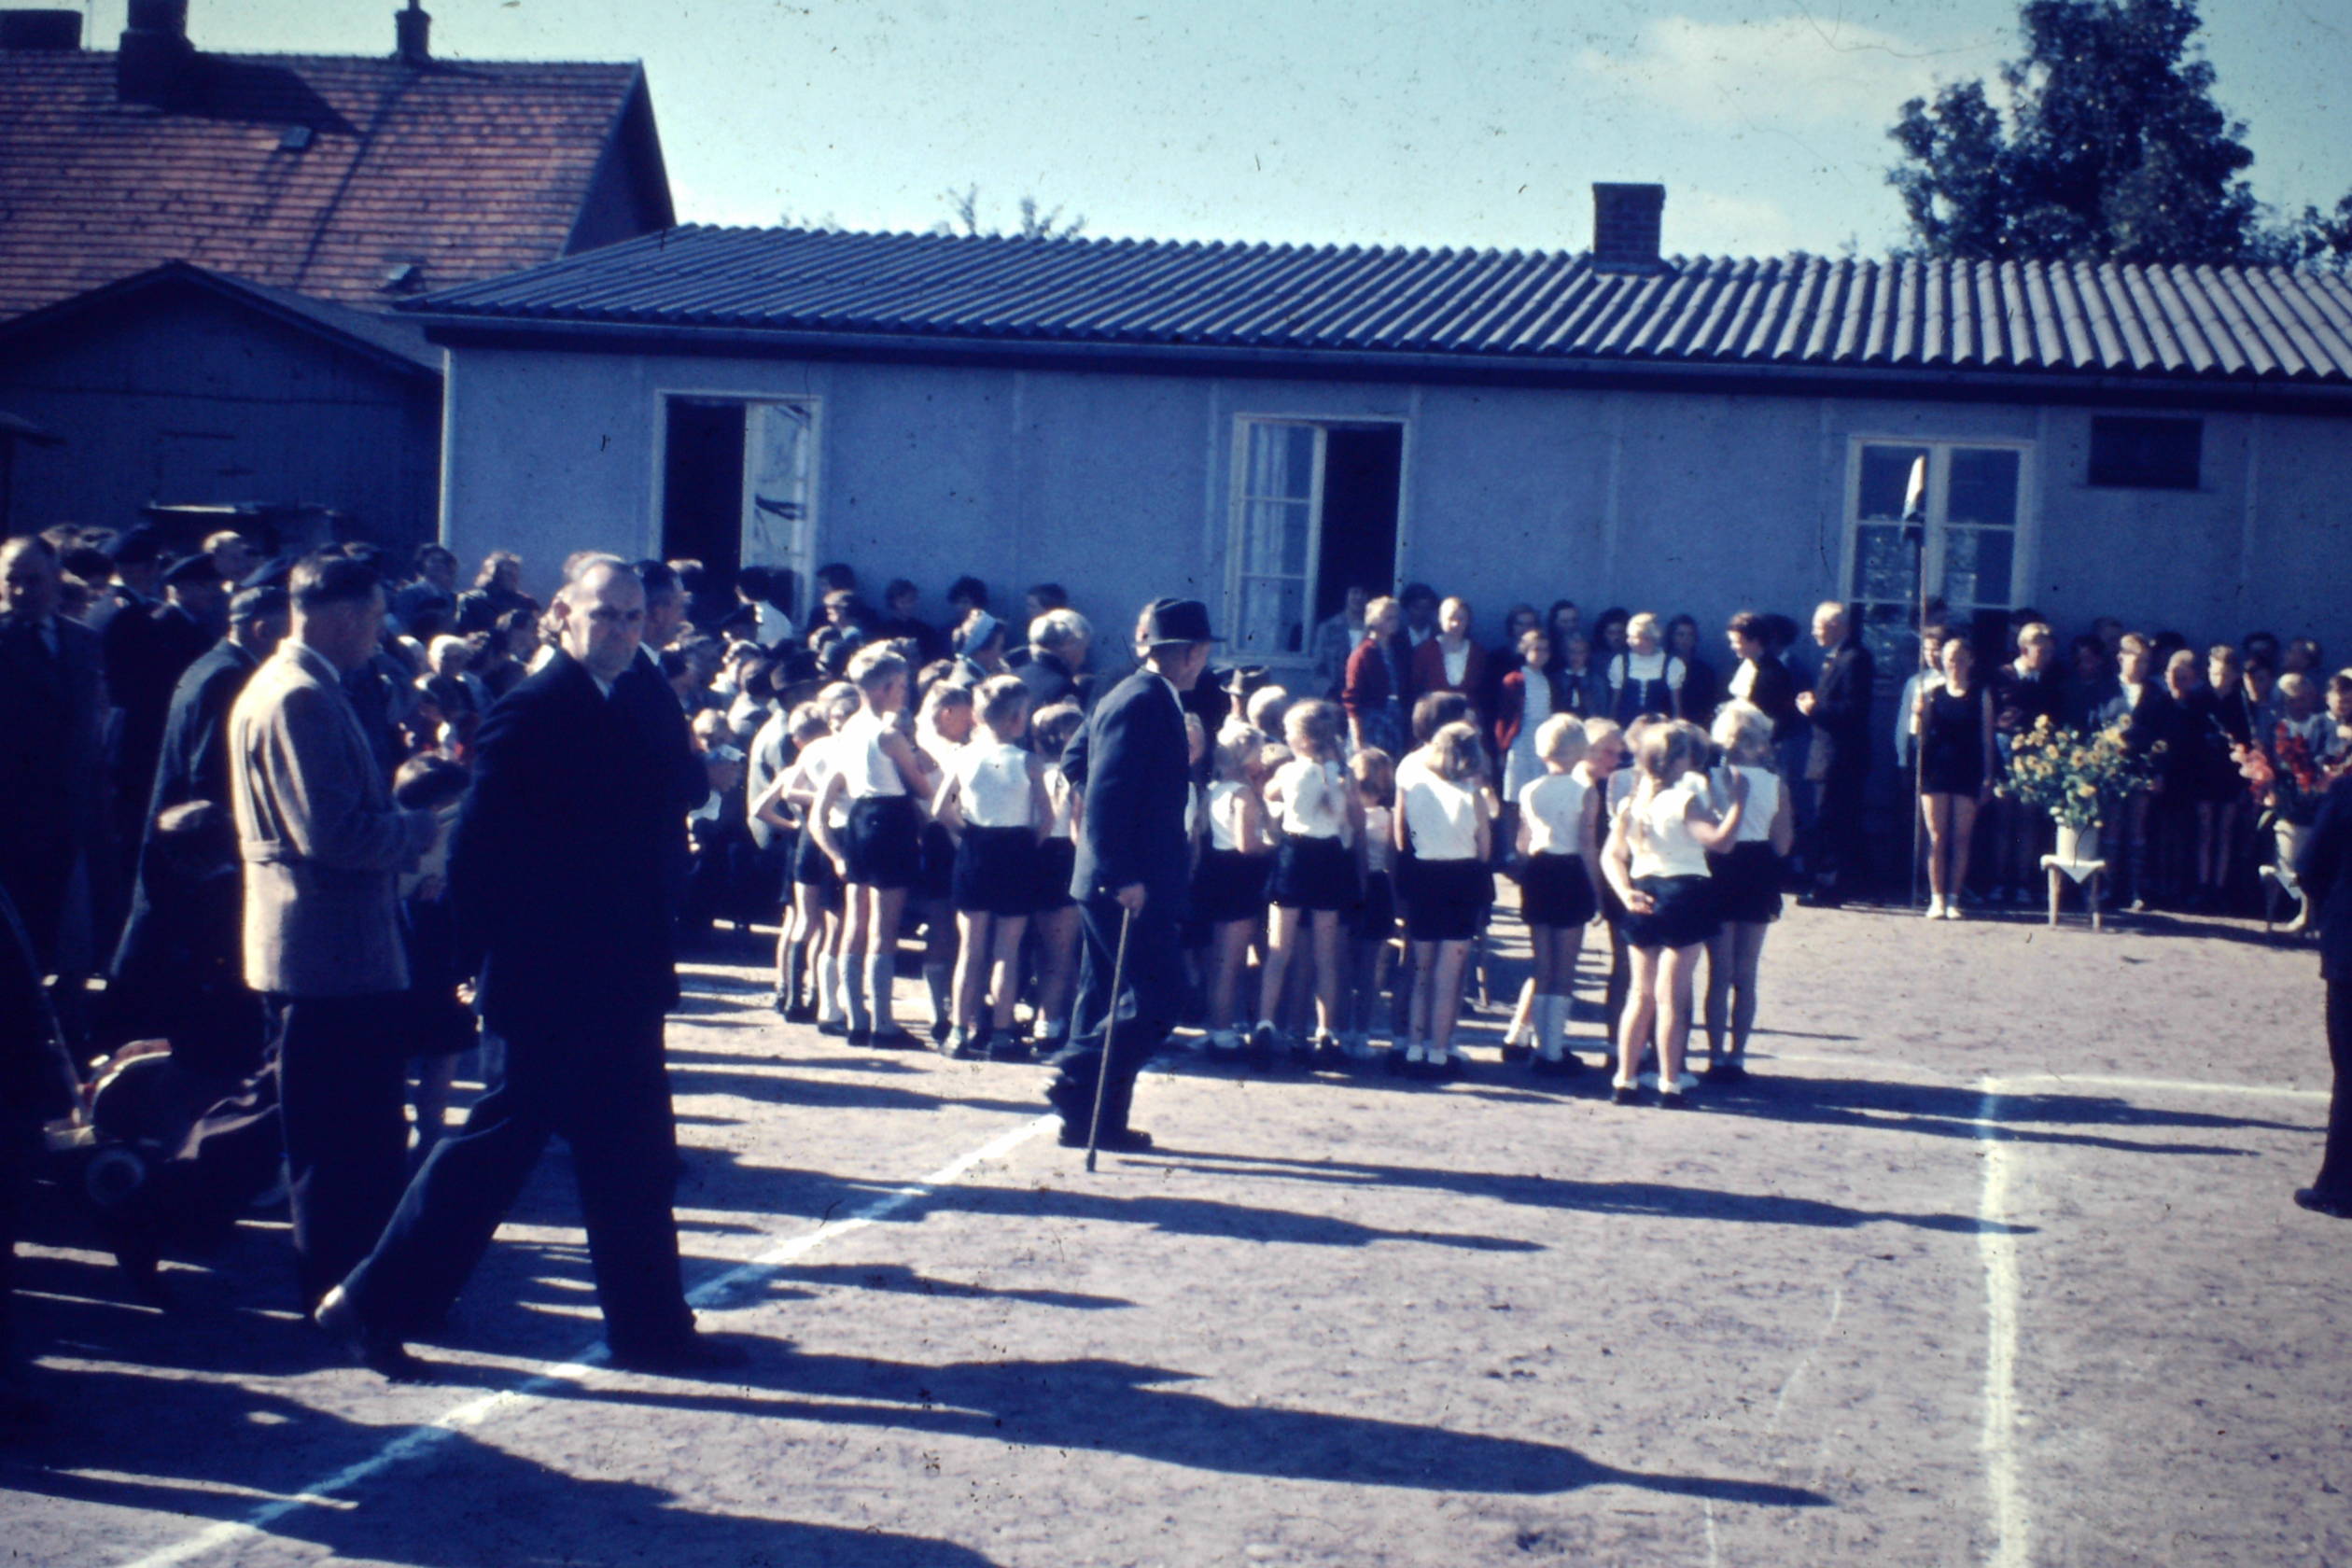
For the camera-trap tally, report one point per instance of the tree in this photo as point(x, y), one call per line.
point(964, 209)
point(2112, 148)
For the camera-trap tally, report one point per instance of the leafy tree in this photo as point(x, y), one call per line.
point(1035, 224)
point(2112, 148)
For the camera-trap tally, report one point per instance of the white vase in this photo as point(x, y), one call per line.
point(2077, 846)
point(2291, 837)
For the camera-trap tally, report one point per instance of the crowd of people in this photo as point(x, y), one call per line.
point(261, 881)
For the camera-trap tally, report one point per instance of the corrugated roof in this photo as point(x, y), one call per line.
point(2258, 324)
point(467, 170)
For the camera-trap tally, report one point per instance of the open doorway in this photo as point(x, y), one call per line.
point(737, 487)
point(1315, 512)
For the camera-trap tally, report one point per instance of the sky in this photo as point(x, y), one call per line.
point(1476, 123)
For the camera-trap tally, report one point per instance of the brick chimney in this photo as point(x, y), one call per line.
point(155, 64)
point(412, 30)
point(53, 31)
point(1626, 224)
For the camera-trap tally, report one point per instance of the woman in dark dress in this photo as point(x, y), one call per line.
point(2025, 692)
point(1701, 692)
point(2208, 777)
point(1954, 723)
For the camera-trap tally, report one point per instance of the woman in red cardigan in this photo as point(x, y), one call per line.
point(1451, 660)
point(1373, 691)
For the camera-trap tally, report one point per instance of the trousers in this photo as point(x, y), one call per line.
point(603, 1089)
point(343, 1106)
point(1117, 1034)
point(2334, 1179)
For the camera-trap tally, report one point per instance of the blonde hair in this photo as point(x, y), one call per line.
point(1315, 723)
point(1454, 752)
point(1265, 707)
point(1052, 726)
point(1647, 620)
point(2187, 656)
point(873, 667)
point(1375, 608)
point(1560, 739)
point(1745, 731)
point(1375, 775)
point(1002, 699)
point(946, 693)
point(808, 720)
point(2294, 683)
point(2034, 632)
point(1232, 755)
point(1598, 729)
point(838, 701)
point(1665, 753)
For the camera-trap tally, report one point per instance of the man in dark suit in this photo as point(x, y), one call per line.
point(53, 705)
point(560, 876)
point(1058, 641)
point(192, 765)
point(1131, 766)
point(1839, 707)
point(148, 651)
point(2325, 870)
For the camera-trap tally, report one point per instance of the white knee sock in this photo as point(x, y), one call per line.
point(1547, 1030)
point(878, 987)
point(854, 993)
point(829, 987)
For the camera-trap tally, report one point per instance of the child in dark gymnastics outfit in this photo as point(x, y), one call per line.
point(816, 882)
point(1656, 861)
point(881, 776)
point(1559, 866)
point(1313, 805)
point(1228, 890)
point(994, 803)
point(1747, 882)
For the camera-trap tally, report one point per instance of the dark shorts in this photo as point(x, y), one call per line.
point(1228, 885)
point(1445, 899)
point(813, 868)
point(884, 846)
point(1313, 873)
point(996, 872)
point(1683, 912)
point(1554, 891)
point(1374, 918)
point(1057, 857)
point(938, 879)
point(1747, 884)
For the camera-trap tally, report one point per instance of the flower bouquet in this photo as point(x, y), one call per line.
point(2287, 781)
point(2079, 779)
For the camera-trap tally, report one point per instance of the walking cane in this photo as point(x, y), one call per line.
point(1109, 1026)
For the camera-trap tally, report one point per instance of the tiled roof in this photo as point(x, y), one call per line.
point(466, 170)
point(2233, 324)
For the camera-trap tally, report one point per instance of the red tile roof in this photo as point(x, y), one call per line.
point(463, 170)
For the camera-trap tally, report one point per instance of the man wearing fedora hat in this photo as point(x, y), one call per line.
point(1131, 766)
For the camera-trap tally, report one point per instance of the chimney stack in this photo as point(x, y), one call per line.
point(1626, 220)
point(414, 30)
point(155, 63)
point(58, 32)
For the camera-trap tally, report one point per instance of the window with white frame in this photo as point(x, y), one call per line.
point(1314, 513)
point(1933, 521)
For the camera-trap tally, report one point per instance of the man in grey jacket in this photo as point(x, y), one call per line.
point(322, 842)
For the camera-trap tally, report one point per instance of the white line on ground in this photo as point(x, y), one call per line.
point(2061, 1080)
point(474, 1412)
point(1998, 1247)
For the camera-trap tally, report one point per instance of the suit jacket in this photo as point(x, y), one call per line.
point(1841, 706)
point(1131, 762)
point(148, 651)
point(1049, 680)
point(2325, 870)
point(321, 839)
point(53, 740)
point(565, 865)
point(1773, 690)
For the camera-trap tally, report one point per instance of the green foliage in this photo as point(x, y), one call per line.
point(2111, 148)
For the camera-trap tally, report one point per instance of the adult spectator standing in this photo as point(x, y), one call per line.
point(137, 579)
point(1335, 641)
point(322, 842)
point(53, 707)
point(560, 876)
point(664, 606)
point(192, 763)
point(497, 589)
point(900, 622)
point(1131, 764)
point(1838, 761)
point(430, 597)
point(1059, 640)
point(2325, 871)
point(232, 557)
point(147, 652)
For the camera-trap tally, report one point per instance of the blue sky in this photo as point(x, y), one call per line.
point(1479, 122)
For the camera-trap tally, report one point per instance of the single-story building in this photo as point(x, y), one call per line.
point(1264, 425)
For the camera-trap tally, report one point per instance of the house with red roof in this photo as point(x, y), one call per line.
point(199, 253)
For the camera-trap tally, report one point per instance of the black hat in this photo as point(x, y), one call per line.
point(1171, 620)
point(1242, 680)
point(257, 604)
point(271, 573)
point(189, 571)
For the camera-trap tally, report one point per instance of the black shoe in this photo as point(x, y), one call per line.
point(834, 1027)
point(941, 1028)
point(2320, 1203)
point(894, 1039)
point(683, 1356)
point(379, 1353)
point(1566, 1064)
point(1262, 1045)
point(961, 1046)
point(858, 1039)
point(1673, 1100)
point(1514, 1055)
point(1727, 1070)
point(1624, 1094)
point(1326, 1056)
point(1006, 1045)
point(1117, 1141)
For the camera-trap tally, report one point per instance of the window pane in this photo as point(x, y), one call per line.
point(1885, 481)
point(1274, 537)
point(1983, 486)
point(1977, 567)
point(1281, 461)
point(1883, 567)
point(1894, 645)
point(1273, 617)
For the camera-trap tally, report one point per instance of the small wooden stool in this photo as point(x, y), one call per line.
point(2089, 874)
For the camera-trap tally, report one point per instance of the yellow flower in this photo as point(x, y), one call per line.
point(2086, 789)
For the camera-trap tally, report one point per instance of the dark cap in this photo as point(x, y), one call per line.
point(258, 604)
point(271, 573)
point(191, 570)
point(1173, 621)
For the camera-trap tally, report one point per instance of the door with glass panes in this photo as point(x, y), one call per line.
point(1940, 520)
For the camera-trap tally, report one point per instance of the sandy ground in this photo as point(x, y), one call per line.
point(1992, 1261)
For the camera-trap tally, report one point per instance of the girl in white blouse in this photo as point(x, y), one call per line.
point(1747, 884)
point(1656, 861)
point(1228, 892)
point(1560, 867)
point(1444, 819)
point(1315, 812)
point(994, 803)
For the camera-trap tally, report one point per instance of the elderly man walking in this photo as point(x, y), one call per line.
point(1131, 764)
point(1839, 705)
point(562, 874)
point(322, 843)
